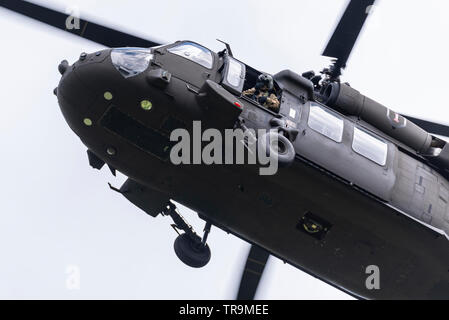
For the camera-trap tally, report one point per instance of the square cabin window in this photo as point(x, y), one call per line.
point(369, 146)
point(326, 122)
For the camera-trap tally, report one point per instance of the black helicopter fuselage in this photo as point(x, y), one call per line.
point(369, 206)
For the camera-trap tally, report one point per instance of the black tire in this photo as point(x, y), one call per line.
point(284, 152)
point(191, 252)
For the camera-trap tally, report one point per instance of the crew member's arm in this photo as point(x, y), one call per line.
point(273, 102)
point(249, 92)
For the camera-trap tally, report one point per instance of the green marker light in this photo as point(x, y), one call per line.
point(146, 105)
point(108, 96)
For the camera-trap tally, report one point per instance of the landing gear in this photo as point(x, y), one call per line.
point(191, 251)
point(189, 247)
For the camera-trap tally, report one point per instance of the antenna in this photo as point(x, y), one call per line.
point(228, 47)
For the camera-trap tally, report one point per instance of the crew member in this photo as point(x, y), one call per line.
point(264, 92)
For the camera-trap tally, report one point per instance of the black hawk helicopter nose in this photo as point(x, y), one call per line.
point(111, 78)
point(76, 94)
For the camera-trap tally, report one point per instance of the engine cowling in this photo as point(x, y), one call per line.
point(349, 101)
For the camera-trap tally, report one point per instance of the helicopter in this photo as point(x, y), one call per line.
point(393, 171)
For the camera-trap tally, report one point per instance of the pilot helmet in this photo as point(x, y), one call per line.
point(265, 80)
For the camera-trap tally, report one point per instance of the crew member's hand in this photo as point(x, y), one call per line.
point(249, 92)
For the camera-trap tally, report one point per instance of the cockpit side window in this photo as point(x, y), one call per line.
point(262, 89)
point(233, 75)
point(195, 53)
point(326, 122)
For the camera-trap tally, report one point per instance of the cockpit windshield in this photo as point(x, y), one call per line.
point(195, 53)
point(131, 61)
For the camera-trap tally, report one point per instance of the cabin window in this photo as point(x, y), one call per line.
point(326, 122)
point(195, 53)
point(370, 146)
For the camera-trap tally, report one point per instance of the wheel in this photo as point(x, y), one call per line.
point(277, 146)
point(192, 253)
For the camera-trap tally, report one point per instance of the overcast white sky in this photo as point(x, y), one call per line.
point(56, 212)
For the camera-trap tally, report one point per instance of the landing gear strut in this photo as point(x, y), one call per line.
point(189, 247)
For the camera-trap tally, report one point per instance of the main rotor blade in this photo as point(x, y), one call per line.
point(431, 127)
point(88, 30)
point(255, 265)
point(345, 35)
